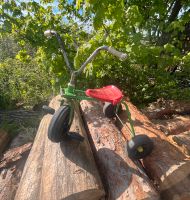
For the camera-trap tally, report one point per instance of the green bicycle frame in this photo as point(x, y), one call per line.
point(72, 94)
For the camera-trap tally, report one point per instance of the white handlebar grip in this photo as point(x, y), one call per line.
point(120, 55)
point(49, 33)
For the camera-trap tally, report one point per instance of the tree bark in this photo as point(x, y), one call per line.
point(165, 37)
point(166, 165)
point(175, 11)
point(11, 167)
point(182, 141)
point(173, 126)
point(63, 170)
point(123, 179)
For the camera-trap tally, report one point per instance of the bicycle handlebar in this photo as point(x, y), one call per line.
point(111, 50)
point(49, 33)
point(120, 55)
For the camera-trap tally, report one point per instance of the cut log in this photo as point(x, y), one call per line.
point(64, 170)
point(173, 126)
point(20, 116)
point(4, 140)
point(181, 141)
point(165, 114)
point(164, 109)
point(11, 167)
point(166, 165)
point(123, 179)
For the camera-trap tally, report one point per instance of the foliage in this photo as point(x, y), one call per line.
point(35, 59)
point(155, 35)
point(23, 83)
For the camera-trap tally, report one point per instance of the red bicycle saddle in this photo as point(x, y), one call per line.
point(109, 93)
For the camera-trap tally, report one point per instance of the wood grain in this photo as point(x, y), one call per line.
point(56, 171)
point(166, 165)
point(123, 179)
point(182, 142)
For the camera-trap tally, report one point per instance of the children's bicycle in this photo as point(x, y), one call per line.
point(138, 146)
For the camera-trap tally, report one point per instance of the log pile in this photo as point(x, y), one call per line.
point(173, 126)
point(68, 171)
point(167, 165)
point(164, 109)
point(64, 170)
point(182, 142)
point(123, 179)
point(172, 118)
point(11, 167)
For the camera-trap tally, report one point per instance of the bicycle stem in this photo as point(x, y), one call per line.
point(63, 51)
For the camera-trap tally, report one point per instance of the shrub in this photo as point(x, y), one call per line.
point(23, 82)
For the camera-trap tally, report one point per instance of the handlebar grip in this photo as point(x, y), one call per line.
point(120, 55)
point(49, 33)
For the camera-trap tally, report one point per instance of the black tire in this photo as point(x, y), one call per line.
point(139, 141)
point(109, 110)
point(59, 125)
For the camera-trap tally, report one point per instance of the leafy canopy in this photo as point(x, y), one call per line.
point(155, 34)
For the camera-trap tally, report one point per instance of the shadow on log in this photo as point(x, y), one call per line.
point(166, 165)
point(57, 171)
point(122, 178)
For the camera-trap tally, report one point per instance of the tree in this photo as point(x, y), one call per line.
point(155, 36)
point(153, 33)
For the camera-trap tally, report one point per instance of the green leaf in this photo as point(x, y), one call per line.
point(78, 2)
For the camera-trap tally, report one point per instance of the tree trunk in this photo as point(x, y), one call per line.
point(165, 37)
point(63, 170)
point(175, 11)
point(123, 179)
point(166, 165)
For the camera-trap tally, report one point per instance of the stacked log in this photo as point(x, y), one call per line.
point(164, 109)
point(11, 167)
point(166, 165)
point(64, 170)
point(173, 126)
point(182, 142)
point(122, 178)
